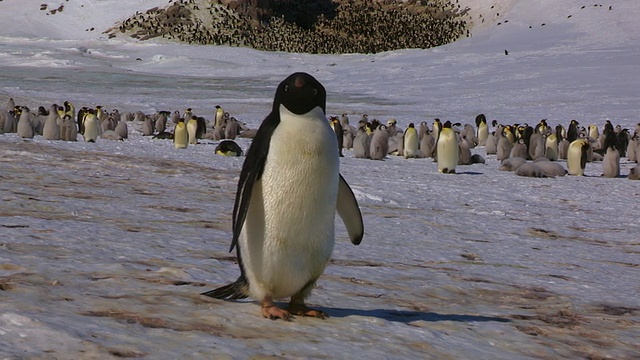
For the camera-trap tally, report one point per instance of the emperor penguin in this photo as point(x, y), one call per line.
point(379, 146)
point(551, 147)
point(91, 126)
point(437, 125)
point(51, 129)
point(519, 149)
point(284, 239)
point(503, 145)
point(410, 148)
point(122, 129)
point(483, 129)
point(361, 143)
point(611, 160)
point(577, 156)
point(336, 126)
point(447, 149)
point(192, 128)
point(427, 144)
point(25, 124)
point(228, 148)
point(180, 135)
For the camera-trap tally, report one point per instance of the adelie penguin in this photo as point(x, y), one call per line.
point(284, 212)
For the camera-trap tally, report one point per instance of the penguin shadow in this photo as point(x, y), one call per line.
point(469, 173)
point(408, 316)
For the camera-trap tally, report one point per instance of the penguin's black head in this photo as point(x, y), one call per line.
point(300, 93)
point(481, 118)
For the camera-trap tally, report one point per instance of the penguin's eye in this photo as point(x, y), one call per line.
point(286, 88)
point(315, 92)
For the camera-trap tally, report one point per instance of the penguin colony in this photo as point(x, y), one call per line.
point(303, 26)
point(63, 122)
point(513, 144)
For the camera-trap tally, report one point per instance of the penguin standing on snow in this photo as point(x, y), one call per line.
point(284, 213)
point(447, 149)
point(181, 135)
point(611, 160)
point(577, 156)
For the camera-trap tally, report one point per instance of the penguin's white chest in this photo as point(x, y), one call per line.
point(447, 148)
point(289, 231)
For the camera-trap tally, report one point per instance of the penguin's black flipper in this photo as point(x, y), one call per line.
point(347, 208)
point(251, 173)
point(234, 291)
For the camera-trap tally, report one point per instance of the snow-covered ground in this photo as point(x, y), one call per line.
point(105, 247)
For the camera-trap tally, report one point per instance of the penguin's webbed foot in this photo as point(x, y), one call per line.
point(271, 311)
point(303, 310)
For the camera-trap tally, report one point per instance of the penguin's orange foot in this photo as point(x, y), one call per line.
point(271, 311)
point(303, 310)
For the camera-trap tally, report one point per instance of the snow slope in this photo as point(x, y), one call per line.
point(105, 247)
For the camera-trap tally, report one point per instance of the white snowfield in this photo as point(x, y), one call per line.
point(105, 247)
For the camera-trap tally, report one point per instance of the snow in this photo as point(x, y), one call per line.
point(105, 247)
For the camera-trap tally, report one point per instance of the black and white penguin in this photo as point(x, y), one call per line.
point(228, 148)
point(284, 213)
point(447, 149)
point(91, 126)
point(483, 129)
point(611, 160)
point(411, 144)
point(577, 156)
point(181, 135)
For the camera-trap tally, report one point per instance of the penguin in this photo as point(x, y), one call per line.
point(218, 117)
point(491, 145)
point(379, 146)
point(483, 129)
point(551, 147)
point(288, 193)
point(336, 126)
point(634, 174)
point(228, 148)
point(51, 129)
point(550, 168)
point(511, 164)
point(427, 144)
point(410, 148)
point(91, 126)
point(68, 129)
point(577, 156)
point(447, 149)
point(122, 129)
point(232, 129)
point(572, 131)
point(361, 144)
point(519, 149)
point(503, 145)
point(147, 126)
point(424, 127)
point(25, 125)
point(161, 122)
point(611, 160)
point(192, 128)
point(530, 169)
point(464, 151)
point(180, 135)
